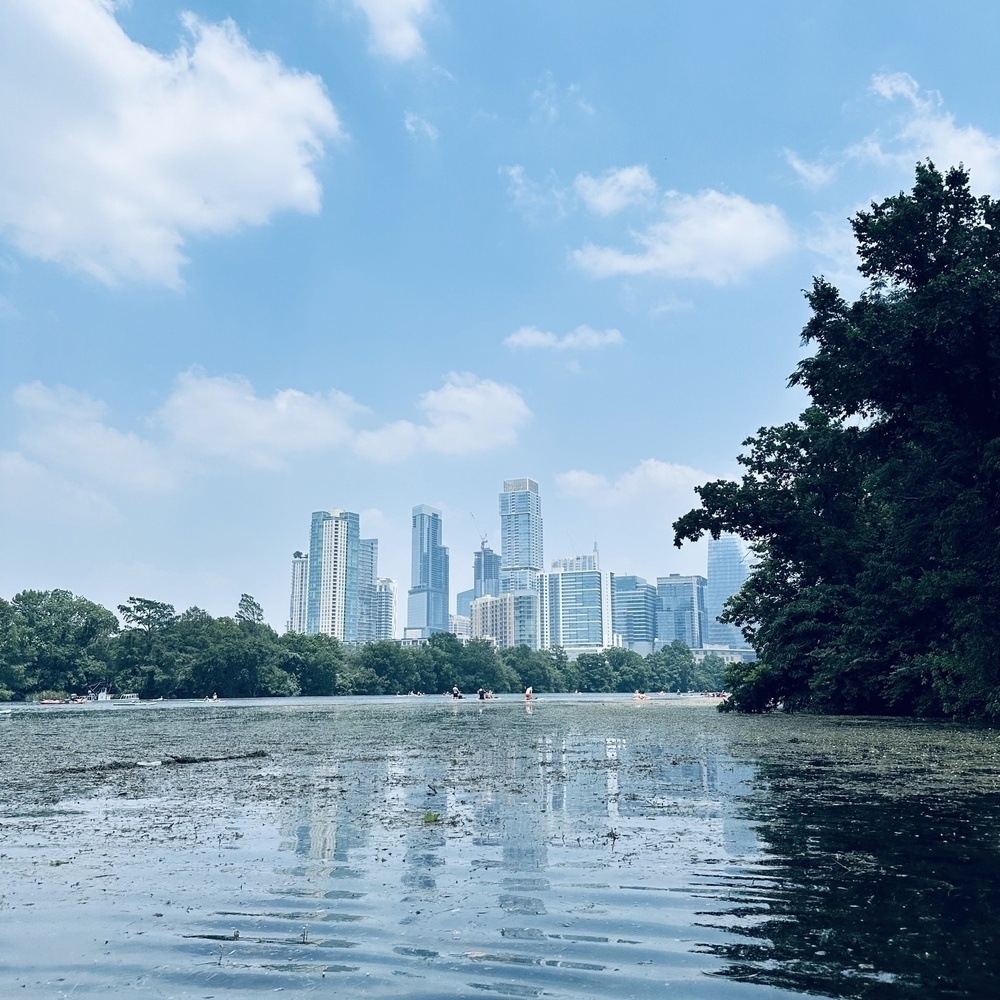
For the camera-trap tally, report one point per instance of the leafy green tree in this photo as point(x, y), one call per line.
point(55, 641)
point(315, 661)
point(143, 661)
point(629, 668)
point(672, 668)
point(876, 517)
point(595, 673)
point(249, 611)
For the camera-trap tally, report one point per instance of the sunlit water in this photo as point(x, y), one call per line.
point(419, 847)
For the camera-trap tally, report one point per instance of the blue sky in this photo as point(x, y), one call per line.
point(261, 259)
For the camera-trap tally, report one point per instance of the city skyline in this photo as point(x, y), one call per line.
point(378, 254)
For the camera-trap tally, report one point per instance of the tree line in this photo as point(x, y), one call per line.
point(55, 644)
point(875, 517)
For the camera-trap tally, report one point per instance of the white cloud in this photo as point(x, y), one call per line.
point(615, 189)
point(29, 491)
point(112, 155)
point(67, 430)
point(394, 26)
point(531, 199)
point(548, 99)
point(813, 175)
point(583, 338)
point(419, 127)
point(669, 486)
point(710, 236)
point(927, 131)
point(222, 417)
point(467, 414)
point(209, 423)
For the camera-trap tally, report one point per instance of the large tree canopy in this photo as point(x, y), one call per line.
point(875, 518)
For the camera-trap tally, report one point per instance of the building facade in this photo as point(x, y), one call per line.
point(579, 608)
point(384, 614)
point(680, 610)
point(521, 551)
point(297, 610)
point(727, 572)
point(367, 581)
point(332, 578)
point(633, 612)
point(427, 601)
point(486, 570)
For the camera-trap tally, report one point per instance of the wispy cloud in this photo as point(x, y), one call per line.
point(533, 200)
point(615, 189)
point(394, 26)
point(112, 155)
point(813, 175)
point(671, 486)
point(710, 236)
point(583, 338)
point(419, 127)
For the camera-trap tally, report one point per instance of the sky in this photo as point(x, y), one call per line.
point(262, 259)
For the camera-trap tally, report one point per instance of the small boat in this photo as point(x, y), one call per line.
point(127, 699)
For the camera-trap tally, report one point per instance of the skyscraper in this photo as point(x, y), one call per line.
point(486, 572)
point(297, 610)
point(521, 559)
point(332, 588)
point(680, 611)
point(367, 578)
point(579, 603)
point(427, 601)
point(633, 612)
point(727, 572)
point(384, 609)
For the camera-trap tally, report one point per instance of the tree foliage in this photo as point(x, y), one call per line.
point(875, 518)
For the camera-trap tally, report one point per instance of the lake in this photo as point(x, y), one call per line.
point(591, 847)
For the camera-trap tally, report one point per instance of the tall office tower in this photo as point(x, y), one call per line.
point(297, 617)
point(384, 604)
point(521, 559)
point(367, 578)
point(332, 590)
point(633, 612)
point(486, 572)
point(579, 616)
point(463, 602)
point(427, 603)
point(680, 610)
point(727, 572)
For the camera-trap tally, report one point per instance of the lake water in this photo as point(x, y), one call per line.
point(594, 847)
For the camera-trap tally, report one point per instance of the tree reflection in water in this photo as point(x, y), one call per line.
point(880, 867)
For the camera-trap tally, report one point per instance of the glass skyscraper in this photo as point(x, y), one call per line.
point(486, 572)
point(521, 564)
point(680, 612)
point(332, 585)
point(633, 612)
point(367, 579)
point(580, 610)
point(427, 601)
point(727, 572)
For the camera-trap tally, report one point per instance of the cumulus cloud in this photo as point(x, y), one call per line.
point(113, 155)
point(211, 422)
point(467, 414)
point(670, 486)
point(419, 127)
point(67, 430)
point(394, 26)
point(615, 189)
point(928, 131)
point(222, 417)
point(583, 338)
point(710, 236)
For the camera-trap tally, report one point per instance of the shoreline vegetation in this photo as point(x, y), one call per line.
point(54, 644)
point(874, 520)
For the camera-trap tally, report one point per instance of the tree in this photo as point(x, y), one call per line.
point(249, 611)
point(875, 518)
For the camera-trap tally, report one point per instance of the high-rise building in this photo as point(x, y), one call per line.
point(521, 559)
point(427, 602)
point(680, 611)
point(297, 611)
point(727, 572)
point(577, 564)
point(332, 588)
point(633, 612)
point(579, 605)
point(486, 572)
point(463, 602)
point(367, 579)
point(384, 614)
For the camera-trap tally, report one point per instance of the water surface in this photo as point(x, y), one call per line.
point(418, 847)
